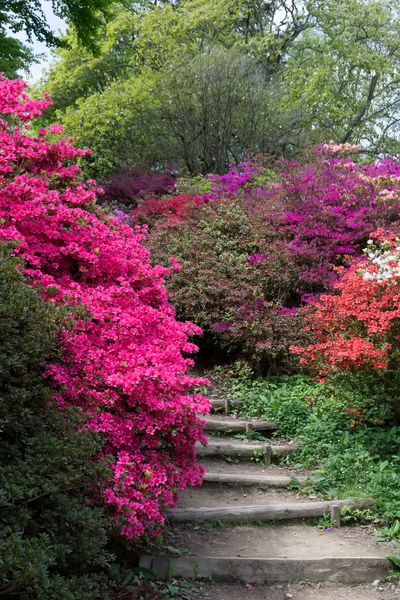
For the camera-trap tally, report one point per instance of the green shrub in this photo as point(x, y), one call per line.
point(53, 535)
point(237, 279)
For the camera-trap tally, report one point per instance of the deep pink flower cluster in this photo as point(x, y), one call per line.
point(331, 205)
point(237, 179)
point(123, 361)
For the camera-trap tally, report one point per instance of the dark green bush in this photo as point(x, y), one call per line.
point(53, 533)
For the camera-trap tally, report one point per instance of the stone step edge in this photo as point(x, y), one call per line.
point(236, 425)
point(230, 448)
point(263, 512)
point(347, 570)
point(226, 404)
point(278, 481)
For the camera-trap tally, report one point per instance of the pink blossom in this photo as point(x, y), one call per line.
point(124, 362)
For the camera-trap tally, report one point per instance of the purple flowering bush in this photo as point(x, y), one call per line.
point(132, 184)
point(331, 207)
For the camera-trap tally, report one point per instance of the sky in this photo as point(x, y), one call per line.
point(56, 25)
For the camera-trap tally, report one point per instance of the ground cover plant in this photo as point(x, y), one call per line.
point(125, 360)
point(347, 458)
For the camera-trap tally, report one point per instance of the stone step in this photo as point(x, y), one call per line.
point(263, 512)
point(249, 479)
point(227, 425)
point(280, 554)
point(348, 570)
point(225, 405)
point(244, 449)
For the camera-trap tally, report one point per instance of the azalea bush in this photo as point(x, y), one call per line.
point(236, 279)
point(125, 362)
point(130, 185)
point(357, 329)
point(170, 208)
point(332, 204)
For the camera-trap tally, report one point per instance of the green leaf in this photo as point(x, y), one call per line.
point(172, 589)
point(395, 559)
point(145, 573)
point(178, 551)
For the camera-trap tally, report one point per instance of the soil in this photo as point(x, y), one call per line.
point(221, 466)
point(276, 541)
point(385, 591)
point(216, 494)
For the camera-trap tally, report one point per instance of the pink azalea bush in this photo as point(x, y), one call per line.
point(125, 360)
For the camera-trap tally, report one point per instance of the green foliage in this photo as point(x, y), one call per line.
point(194, 185)
point(348, 62)
point(279, 399)
point(350, 459)
point(121, 126)
point(204, 83)
point(28, 16)
point(311, 73)
point(14, 55)
point(53, 535)
point(215, 104)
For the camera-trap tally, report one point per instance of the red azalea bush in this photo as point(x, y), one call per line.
point(131, 185)
point(124, 362)
point(171, 208)
point(358, 327)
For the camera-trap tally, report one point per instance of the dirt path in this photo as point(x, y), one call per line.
point(249, 534)
point(381, 591)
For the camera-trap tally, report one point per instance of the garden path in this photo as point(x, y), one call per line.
point(248, 527)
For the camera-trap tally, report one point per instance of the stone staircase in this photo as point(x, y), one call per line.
point(247, 524)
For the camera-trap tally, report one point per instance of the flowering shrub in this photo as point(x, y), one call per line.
point(236, 278)
point(269, 242)
point(357, 330)
point(123, 363)
point(170, 208)
point(131, 185)
point(332, 205)
point(358, 327)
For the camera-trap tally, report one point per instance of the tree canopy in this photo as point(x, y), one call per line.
point(28, 16)
point(274, 75)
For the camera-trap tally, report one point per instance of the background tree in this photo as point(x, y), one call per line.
point(214, 106)
point(299, 72)
point(28, 16)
